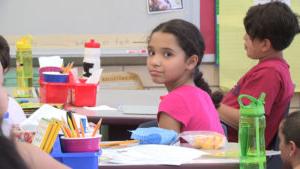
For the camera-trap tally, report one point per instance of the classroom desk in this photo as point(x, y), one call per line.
point(115, 98)
point(196, 165)
point(203, 162)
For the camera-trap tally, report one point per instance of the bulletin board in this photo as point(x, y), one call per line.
point(233, 60)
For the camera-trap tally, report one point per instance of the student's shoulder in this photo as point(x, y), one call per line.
point(187, 92)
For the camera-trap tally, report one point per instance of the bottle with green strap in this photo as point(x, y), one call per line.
point(252, 126)
point(24, 68)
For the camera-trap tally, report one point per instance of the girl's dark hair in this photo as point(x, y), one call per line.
point(4, 53)
point(191, 41)
point(291, 128)
point(9, 156)
point(274, 21)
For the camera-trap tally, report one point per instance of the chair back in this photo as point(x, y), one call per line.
point(275, 162)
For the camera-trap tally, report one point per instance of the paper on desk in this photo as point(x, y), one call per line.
point(151, 154)
point(101, 107)
point(47, 111)
point(50, 61)
point(138, 109)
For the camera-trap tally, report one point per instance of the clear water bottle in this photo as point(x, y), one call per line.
point(91, 60)
point(24, 70)
point(252, 132)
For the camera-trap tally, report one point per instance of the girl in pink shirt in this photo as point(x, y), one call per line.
point(175, 50)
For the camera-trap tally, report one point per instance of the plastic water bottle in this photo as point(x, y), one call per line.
point(91, 60)
point(6, 125)
point(252, 133)
point(24, 68)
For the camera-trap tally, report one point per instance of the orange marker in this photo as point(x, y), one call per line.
point(97, 127)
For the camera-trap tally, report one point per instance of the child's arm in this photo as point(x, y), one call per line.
point(34, 157)
point(167, 122)
point(229, 115)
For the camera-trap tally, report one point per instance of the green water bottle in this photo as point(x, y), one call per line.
point(24, 68)
point(252, 132)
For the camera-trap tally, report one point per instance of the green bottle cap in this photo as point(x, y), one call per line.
point(256, 106)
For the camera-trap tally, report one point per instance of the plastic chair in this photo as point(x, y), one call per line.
point(275, 162)
point(224, 126)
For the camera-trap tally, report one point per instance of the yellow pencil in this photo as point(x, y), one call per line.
point(97, 127)
point(75, 125)
point(71, 127)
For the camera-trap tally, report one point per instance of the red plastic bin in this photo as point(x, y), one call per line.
point(54, 92)
point(84, 94)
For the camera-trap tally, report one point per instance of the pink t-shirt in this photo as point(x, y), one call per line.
point(271, 76)
point(193, 108)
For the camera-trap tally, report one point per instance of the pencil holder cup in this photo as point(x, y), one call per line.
point(86, 144)
point(81, 160)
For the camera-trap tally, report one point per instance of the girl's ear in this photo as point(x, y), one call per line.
point(192, 62)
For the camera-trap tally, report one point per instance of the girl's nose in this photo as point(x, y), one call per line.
point(155, 61)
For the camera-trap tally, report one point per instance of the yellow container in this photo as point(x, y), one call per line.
point(24, 68)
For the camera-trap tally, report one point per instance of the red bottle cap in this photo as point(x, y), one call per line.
point(92, 44)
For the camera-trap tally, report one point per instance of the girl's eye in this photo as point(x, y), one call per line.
point(167, 54)
point(151, 53)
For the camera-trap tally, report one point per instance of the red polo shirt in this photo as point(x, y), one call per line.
point(271, 76)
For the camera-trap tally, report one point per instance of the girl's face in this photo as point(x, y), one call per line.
point(252, 47)
point(284, 148)
point(3, 95)
point(3, 101)
point(167, 63)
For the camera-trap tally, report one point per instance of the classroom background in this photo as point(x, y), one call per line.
point(56, 31)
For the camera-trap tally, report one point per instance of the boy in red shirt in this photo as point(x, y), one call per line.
point(270, 28)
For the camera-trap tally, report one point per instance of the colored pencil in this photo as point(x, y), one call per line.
point(97, 127)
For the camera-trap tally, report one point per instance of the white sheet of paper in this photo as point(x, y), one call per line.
point(54, 61)
point(48, 112)
point(152, 154)
point(138, 109)
point(101, 107)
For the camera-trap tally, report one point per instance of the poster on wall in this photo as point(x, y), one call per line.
point(157, 6)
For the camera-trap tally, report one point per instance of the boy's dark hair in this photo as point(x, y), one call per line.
point(191, 41)
point(10, 157)
point(4, 53)
point(291, 128)
point(274, 21)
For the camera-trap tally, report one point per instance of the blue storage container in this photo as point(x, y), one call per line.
point(75, 160)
